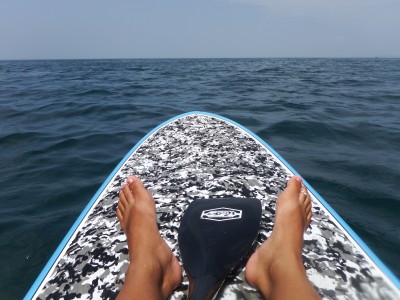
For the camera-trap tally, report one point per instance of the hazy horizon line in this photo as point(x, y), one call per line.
point(182, 58)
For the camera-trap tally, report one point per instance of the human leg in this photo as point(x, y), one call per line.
point(276, 268)
point(153, 271)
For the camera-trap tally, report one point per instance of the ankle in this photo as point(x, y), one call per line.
point(147, 264)
point(284, 265)
point(138, 282)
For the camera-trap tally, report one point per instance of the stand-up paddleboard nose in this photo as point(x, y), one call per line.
point(214, 237)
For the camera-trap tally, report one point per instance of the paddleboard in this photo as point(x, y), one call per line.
point(198, 156)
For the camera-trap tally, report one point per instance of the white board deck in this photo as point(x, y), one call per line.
point(201, 155)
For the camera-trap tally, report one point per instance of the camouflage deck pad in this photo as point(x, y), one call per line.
point(201, 156)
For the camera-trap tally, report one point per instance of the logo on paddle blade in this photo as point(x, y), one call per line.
point(221, 214)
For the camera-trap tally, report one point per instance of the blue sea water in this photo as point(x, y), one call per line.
point(65, 125)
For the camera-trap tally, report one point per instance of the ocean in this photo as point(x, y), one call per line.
point(65, 125)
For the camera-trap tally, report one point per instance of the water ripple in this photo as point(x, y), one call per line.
point(64, 125)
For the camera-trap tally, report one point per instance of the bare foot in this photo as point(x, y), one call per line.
point(153, 272)
point(276, 268)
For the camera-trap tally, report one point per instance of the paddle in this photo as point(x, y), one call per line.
point(215, 236)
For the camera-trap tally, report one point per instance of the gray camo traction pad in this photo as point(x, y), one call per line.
point(202, 156)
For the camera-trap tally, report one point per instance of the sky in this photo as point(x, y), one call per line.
point(55, 29)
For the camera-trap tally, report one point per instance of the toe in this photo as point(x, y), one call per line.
point(128, 195)
point(121, 206)
point(122, 198)
point(120, 218)
point(309, 217)
point(303, 195)
point(130, 179)
point(138, 189)
point(294, 184)
point(307, 204)
point(293, 187)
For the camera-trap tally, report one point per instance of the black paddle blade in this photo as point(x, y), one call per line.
point(214, 237)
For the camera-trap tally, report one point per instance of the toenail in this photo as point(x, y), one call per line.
point(131, 179)
point(298, 179)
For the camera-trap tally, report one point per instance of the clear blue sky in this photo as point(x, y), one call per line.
point(52, 29)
